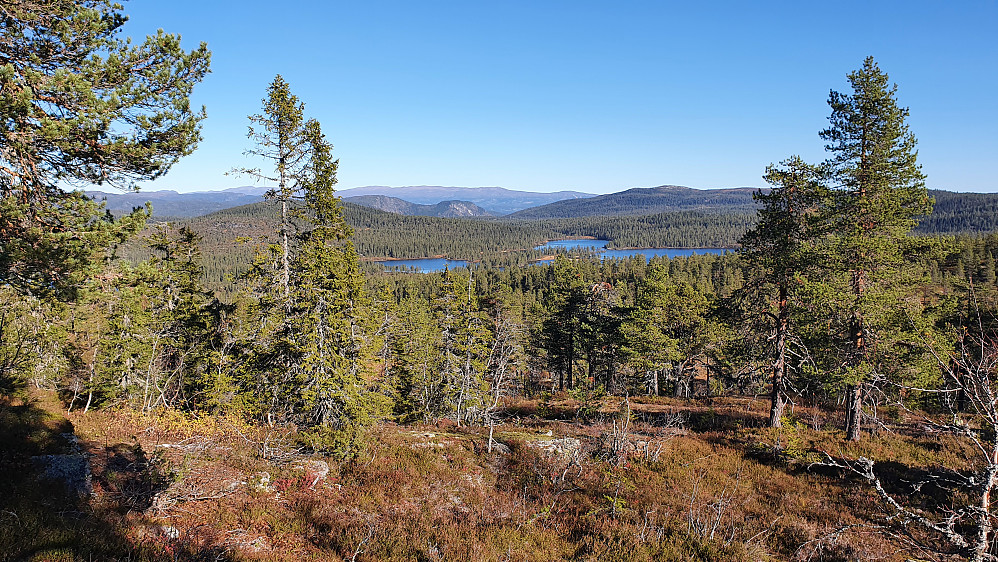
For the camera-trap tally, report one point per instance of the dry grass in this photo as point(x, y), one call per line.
point(721, 487)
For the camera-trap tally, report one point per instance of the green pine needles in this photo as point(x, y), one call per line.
point(832, 247)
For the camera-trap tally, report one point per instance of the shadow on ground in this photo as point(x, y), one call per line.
point(53, 508)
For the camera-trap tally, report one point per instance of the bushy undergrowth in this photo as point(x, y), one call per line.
point(170, 486)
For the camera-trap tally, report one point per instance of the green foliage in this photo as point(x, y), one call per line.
point(192, 322)
point(560, 333)
point(780, 253)
point(80, 106)
point(148, 335)
point(50, 248)
point(305, 353)
point(792, 445)
point(437, 358)
point(865, 252)
point(588, 401)
point(83, 104)
point(26, 339)
point(668, 330)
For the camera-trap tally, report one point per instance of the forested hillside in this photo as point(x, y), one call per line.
point(231, 237)
point(647, 201)
point(956, 213)
point(496, 200)
point(402, 207)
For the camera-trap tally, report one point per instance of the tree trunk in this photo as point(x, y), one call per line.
point(961, 397)
point(854, 411)
point(590, 371)
point(285, 251)
point(982, 541)
point(779, 404)
point(778, 400)
point(571, 357)
point(706, 371)
point(681, 390)
point(854, 392)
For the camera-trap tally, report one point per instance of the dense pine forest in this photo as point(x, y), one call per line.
point(245, 385)
point(230, 237)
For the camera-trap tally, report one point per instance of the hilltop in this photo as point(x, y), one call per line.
point(403, 207)
point(647, 201)
point(496, 200)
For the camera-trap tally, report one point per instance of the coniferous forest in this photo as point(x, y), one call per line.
point(246, 385)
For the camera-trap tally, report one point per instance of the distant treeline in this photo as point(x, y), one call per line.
point(378, 234)
point(233, 235)
point(961, 213)
point(681, 229)
point(386, 235)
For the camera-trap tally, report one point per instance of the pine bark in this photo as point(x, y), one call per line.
point(778, 397)
point(854, 411)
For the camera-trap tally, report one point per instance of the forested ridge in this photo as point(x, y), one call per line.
point(826, 392)
point(960, 213)
point(647, 200)
point(452, 208)
point(231, 236)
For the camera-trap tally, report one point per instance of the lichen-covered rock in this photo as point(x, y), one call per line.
point(567, 446)
point(73, 471)
point(315, 471)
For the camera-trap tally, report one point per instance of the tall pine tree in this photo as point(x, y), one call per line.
point(879, 194)
point(781, 250)
point(82, 106)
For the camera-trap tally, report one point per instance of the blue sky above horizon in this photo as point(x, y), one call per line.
point(588, 96)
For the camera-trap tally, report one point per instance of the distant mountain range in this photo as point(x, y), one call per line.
point(496, 200)
point(403, 207)
point(954, 212)
point(446, 201)
point(646, 201)
point(180, 205)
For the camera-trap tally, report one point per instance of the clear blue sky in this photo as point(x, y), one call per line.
point(545, 95)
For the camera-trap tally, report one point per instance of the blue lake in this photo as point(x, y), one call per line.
point(595, 245)
point(430, 265)
point(599, 246)
point(424, 265)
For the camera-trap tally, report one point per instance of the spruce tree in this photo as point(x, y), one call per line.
point(414, 362)
point(561, 331)
point(308, 347)
point(280, 137)
point(669, 329)
point(464, 344)
point(328, 297)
